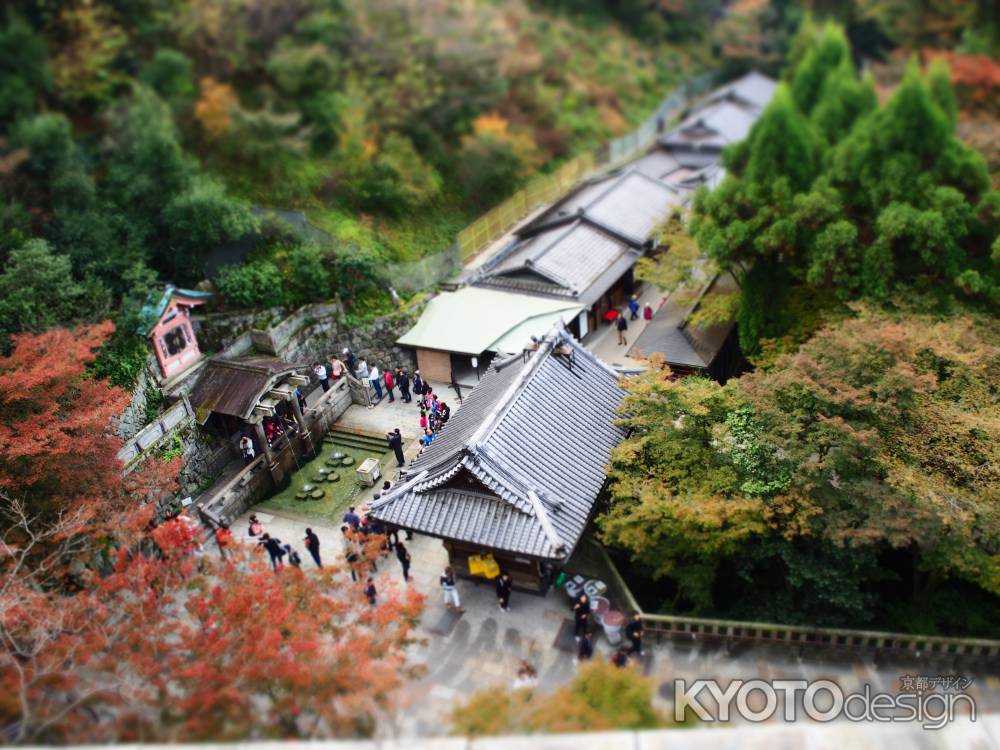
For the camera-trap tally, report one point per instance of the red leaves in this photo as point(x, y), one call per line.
point(976, 78)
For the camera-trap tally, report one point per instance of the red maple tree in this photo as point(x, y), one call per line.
point(112, 632)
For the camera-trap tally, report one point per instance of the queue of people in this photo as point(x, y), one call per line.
point(384, 383)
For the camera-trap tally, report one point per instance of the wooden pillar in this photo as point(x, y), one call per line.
point(272, 465)
point(304, 434)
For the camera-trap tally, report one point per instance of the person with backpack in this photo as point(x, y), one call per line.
point(312, 546)
point(451, 600)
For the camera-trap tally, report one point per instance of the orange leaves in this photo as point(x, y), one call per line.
point(491, 125)
point(214, 107)
point(976, 78)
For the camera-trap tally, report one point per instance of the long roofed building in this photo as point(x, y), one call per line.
point(517, 470)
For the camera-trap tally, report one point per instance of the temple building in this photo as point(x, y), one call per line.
point(255, 396)
point(517, 471)
point(167, 323)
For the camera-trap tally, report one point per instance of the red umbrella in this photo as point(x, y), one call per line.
point(611, 315)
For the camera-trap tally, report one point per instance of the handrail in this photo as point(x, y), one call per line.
point(694, 627)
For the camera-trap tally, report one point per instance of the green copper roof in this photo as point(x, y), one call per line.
point(150, 314)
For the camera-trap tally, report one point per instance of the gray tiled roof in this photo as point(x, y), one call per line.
point(568, 260)
point(680, 343)
point(519, 467)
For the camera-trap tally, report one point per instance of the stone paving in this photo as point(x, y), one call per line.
point(387, 415)
point(604, 341)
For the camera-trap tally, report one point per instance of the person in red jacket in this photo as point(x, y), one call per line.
point(389, 383)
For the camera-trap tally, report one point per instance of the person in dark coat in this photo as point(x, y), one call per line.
point(585, 648)
point(370, 592)
point(620, 658)
point(581, 616)
point(274, 550)
point(312, 545)
point(622, 325)
point(503, 592)
point(403, 382)
point(350, 360)
point(395, 440)
point(418, 384)
point(404, 559)
point(633, 631)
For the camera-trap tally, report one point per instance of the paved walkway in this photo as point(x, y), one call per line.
point(604, 341)
point(386, 415)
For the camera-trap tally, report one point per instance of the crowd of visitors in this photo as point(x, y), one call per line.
point(384, 383)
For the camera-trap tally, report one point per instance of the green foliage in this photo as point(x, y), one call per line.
point(24, 70)
point(170, 74)
point(801, 491)
point(38, 291)
point(308, 277)
point(488, 171)
point(600, 697)
point(357, 273)
point(203, 216)
point(173, 449)
point(256, 284)
point(834, 192)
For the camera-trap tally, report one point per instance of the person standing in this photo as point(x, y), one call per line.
point(370, 591)
point(246, 448)
point(418, 385)
point(256, 527)
point(390, 383)
point(581, 616)
point(336, 369)
point(622, 325)
point(375, 379)
point(403, 380)
point(503, 592)
point(293, 557)
point(395, 440)
point(362, 372)
point(349, 359)
point(223, 538)
point(451, 599)
point(585, 648)
point(274, 550)
point(647, 313)
point(444, 412)
point(312, 546)
point(351, 518)
point(403, 555)
point(633, 306)
point(428, 437)
point(350, 552)
point(320, 371)
point(633, 631)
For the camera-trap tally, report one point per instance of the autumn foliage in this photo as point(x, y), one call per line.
point(114, 630)
point(976, 79)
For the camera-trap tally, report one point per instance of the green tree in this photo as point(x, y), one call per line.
point(199, 219)
point(38, 291)
point(171, 75)
point(830, 53)
point(24, 70)
point(308, 277)
point(256, 284)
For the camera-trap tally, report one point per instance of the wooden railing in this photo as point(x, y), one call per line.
point(700, 628)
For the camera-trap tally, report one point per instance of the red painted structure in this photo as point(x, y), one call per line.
point(169, 327)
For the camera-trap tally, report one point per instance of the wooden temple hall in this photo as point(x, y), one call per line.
point(255, 396)
point(519, 468)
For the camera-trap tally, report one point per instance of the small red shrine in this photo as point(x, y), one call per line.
point(168, 324)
